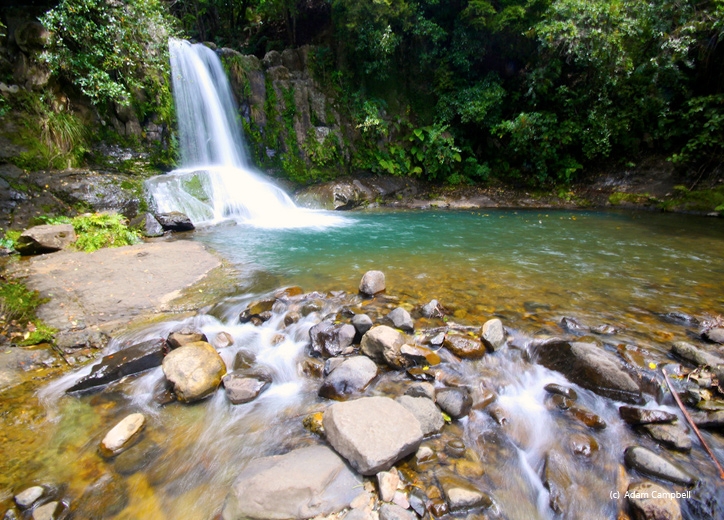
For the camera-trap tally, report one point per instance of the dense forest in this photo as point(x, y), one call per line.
point(529, 92)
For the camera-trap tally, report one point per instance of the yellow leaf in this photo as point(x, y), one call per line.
point(652, 365)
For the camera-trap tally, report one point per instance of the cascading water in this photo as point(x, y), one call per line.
point(216, 181)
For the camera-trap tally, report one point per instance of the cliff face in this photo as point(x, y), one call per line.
point(293, 125)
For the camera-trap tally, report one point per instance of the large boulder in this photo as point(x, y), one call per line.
point(47, 238)
point(383, 344)
point(589, 366)
point(372, 433)
point(304, 483)
point(348, 378)
point(195, 371)
point(330, 339)
point(372, 282)
point(126, 362)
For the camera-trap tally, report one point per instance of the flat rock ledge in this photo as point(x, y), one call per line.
point(303, 483)
point(372, 433)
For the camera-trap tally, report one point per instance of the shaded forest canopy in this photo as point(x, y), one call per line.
point(527, 91)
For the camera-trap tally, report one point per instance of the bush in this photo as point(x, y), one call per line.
point(99, 230)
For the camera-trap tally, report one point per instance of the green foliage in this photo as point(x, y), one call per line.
point(17, 312)
point(99, 230)
point(705, 201)
point(705, 116)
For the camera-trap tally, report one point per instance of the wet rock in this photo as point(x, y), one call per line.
point(635, 415)
point(257, 309)
point(560, 402)
point(464, 346)
point(312, 367)
point(372, 433)
point(244, 358)
point(105, 498)
point(147, 225)
point(372, 282)
point(649, 463)
point(362, 323)
point(493, 334)
point(175, 221)
point(604, 329)
point(387, 482)
point(241, 389)
point(12, 514)
point(401, 319)
point(461, 494)
point(131, 360)
point(395, 512)
point(456, 402)
point(301, 484)
point(223, 339)
point(141, 456)
point(421, 389)
point(352, 376)
point(45, 239)
point(49, 511)
point(421, 373)
point(26, 498)
point(424, 409)
point(695, 355)
point(711, 420)
point(313, 423)
point(715, 335)
point(573, 326)
point(590, 367)
point(417, 355)
point(565, 391)
point(433, 309)
point(195, 370)
point(672, 436)
point(455, 448)
point(557, 481)
point(582, 444)
point(649, 501)
point(679, 318)
point(184, 337)
point(383, 344)
point(123, 435)
point(587, 417)
point(330, 340)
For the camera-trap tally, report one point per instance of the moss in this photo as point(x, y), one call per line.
point(17, 314)
point(618, 198)
point(708, 200)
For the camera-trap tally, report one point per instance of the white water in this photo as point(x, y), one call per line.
point(216, 181)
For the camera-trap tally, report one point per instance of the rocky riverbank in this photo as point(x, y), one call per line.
point(400, 384)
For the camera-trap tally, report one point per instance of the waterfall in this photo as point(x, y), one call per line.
point(216, 181)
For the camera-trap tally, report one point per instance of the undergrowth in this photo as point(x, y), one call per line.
point(17, 315)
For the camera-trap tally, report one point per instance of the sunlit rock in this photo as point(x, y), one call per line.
point(26, 498)
point(463, 346)
point(47, 238)
point(493, 334)
point(241, 389)
point(695, 355)
point(383, 344)
point(649, 501)
point(184, 337)
point(350, 377)
point(300, 484)
point(401, 319)
point(635, 415)
point(715, 335)
point(362, 323)
point(330, 339)
point(421, 389)
point(456, 402)
point(123, 434)
point(195, 370)
point(673, 436)
point(425, 410)
point(49, 511)
point(649, 463)
point(462, 494)
point(372, 282)
point(417, 355)
point(372, 433)
point(395, 512)
point(387, 482)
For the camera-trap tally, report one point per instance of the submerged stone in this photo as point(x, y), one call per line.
point(649, 463)
point(122, 435)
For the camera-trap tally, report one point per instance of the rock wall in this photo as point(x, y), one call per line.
point(292, 124)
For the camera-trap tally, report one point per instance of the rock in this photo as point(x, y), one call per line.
point(303, 483)
point(401, 319)
point(383, 344)
point(433, 309)
point(417, 355)
point(387, 482)
point(672, 436)
point(330, 340)
point(31, 36)
point(695, 355)
point(573, 326)
point(223, 339)
point(582, 444)
point(352, 376)
point(45, 239)
point(195, 370)
point(48, 511)
point(372, 433)
point(141, 456)
point(362, 323)
point(104, 498)
point(461, 494)
point(244, 359)
point(175, 221)
point(649, 501)
point(123, 435)
point(421, 389)
point(424, 409)
point(493, 334)
point(464, 346)
point(715, 335)
point(679, 318)
point(711, 420)
point(131, 360)
point(147, 224)
point(557, 481)
point(26, 498)
point(604, 329)
point(590, 367)
point(635, 415)
point(257, 309)
point(565, 391)
point(395, 512)
point(649, 463)
point(241, 389)
point(587, 417)
point(456, 402)
point(372, 282)
point(184, 337)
